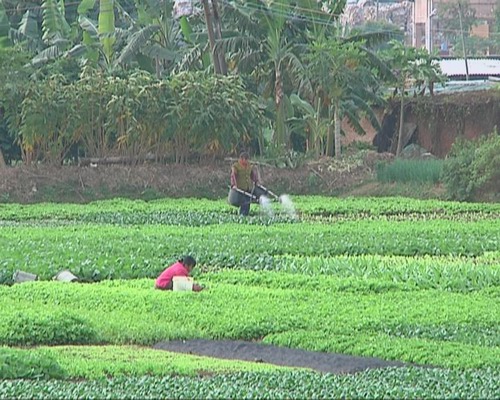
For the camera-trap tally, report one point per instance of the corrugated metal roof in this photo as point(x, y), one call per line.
point(477, 66)
point(465, 86)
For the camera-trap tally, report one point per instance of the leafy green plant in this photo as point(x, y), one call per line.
point(390, 383)
point(125, 239)
point(373, 317)
point(28, 329)
point(136, 115)
point(93, 362)
point(410, 171)
point(22, 364)
point(472, 167)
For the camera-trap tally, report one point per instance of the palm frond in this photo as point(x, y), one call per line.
point(85, 6)
point(54, 23)
point(385, 70)
point(190, 58)
point(238, 44)
point(361, 104)
point(246, 17)
point(88, 26)
point(28, 27)
point(76, 51)
point(50, 53)
point(136, 41)
point(302, 105)
point(297, 72)
point(156, 51)
point(248, 61)
point(353, 120)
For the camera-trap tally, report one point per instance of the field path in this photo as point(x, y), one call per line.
point(258, 352)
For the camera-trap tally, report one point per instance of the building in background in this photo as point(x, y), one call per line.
point(423, 23)
point(430, 32)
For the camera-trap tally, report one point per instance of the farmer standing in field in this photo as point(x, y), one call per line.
point(243, 177)
point(182, 267)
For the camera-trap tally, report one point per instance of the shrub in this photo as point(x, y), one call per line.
point(18, 364)
point(472, 167)
point(410, 171)
point(54, 329)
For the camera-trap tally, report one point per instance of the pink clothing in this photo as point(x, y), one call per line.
point(165, 278)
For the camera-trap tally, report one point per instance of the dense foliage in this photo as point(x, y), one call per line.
point(473, 167)
point(136, 116)
point(78, 53)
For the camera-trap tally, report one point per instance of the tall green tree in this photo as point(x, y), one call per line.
point(414, 69)
point(14, 81)
point(4, 27)
point(161, 43)
point(344, 82)
point(271, 38)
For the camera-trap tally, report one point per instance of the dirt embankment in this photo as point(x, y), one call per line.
point(82, 184)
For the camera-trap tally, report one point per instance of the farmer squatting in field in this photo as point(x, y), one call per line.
point(182, 267)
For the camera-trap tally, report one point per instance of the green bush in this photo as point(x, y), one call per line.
point(29, 329)
point(410, 171)
point(486, 165)
point(19, 364)
point(473, 167)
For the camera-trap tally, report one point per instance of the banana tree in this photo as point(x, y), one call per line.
point(411, 66)
point(342, 77)
point(103, 32)
point(310, 121)
point(158, 42)
point(4, 27)
point(268, 47)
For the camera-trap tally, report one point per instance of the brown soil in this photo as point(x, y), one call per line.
point(82, 184)
point(258, 352)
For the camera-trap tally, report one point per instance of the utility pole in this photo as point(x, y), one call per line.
point(463, 41)
point(428, 26)
point(414, 25)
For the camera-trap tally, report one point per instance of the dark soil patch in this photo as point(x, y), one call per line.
point(258, 352)
point(81, 184)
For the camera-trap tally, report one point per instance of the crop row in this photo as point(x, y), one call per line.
point(429, 327)
point(394, 383)
point(203, 212)
point(97, 252)
point(94, 362)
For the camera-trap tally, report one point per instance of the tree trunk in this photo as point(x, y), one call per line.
point(329, 151)
point(280, 128)
point(401, 123)
point(218, 35)
point(2, 160)
point(338, 128)
point(316, 138)
point(211, 36)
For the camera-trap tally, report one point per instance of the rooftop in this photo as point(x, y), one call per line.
point(479, 67)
